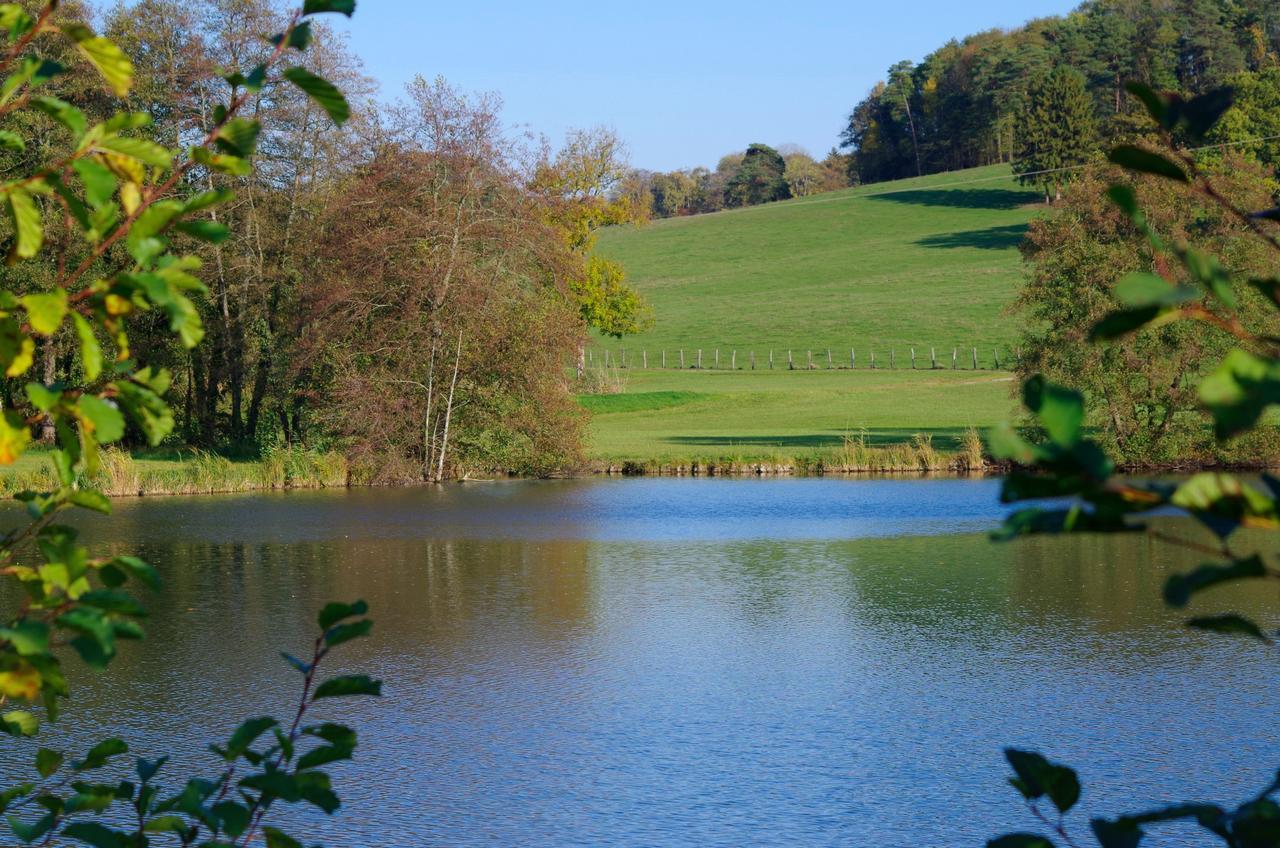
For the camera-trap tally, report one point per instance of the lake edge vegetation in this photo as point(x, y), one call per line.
point(110, 206)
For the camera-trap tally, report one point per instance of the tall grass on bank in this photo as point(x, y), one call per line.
point(197, 473)
point(855, 456)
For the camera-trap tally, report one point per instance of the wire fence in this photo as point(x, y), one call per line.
point(908, 357)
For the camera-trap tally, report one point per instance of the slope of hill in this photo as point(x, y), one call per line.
point(923, 262)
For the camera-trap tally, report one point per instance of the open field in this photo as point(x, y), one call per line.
point(674, 417)
point(929, 262)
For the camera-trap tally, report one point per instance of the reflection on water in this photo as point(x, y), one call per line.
point(707, 662)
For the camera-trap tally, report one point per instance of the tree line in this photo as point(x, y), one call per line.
point(407, 288)
point(759, 174)
point(970, 102)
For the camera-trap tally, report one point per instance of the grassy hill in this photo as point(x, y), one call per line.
point(924, 262)
point(930, 262)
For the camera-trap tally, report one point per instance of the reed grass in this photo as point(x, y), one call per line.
point(193, 473)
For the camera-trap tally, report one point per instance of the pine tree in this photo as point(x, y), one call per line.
point(1056, 130)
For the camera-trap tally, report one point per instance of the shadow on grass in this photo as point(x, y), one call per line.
point(964, 198)
point(992, 238)
point(944, 438)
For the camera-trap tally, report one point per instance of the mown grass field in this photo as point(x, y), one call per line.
point(672, 416)
point(930, 262)
point(925, 263)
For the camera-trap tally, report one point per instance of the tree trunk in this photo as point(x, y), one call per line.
point(448, 411)
point(48, 433)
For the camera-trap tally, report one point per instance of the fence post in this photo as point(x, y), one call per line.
point(975, 359)
point(606, 357)
point(644, 359)
point(873, 359)
point(590, 357)
point(953, 359)
point(791, 363)
point(699, 359)
point(733, 361)
point(933, 359)
point(996, 353)
point(624, 358)
point(913, 359)
point(681, 359)
point(770, 359)
point(753, 360)
point(717, 365)
point(829, 366)
point(809, 365)
point(853, 359)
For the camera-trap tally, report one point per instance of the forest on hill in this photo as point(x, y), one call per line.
point(963, 105)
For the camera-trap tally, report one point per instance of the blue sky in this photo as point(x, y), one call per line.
point(682, 82)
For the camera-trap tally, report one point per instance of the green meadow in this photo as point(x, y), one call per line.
point(929, 264)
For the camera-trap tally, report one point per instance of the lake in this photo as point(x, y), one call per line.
point(688, 661)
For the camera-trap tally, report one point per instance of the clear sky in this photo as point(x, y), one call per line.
point(682, 82)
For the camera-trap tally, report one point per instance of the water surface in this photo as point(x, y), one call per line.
point(688, 662)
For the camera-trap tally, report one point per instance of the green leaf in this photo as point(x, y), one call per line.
point(325, 94)
point(89, 499)
point(1200, 114)
point(146, 152)
point(48, 762)
point(1229, 624)
point(64, 113)
point(1142, 289)
point(1239, 390)
point(279, 839)
point(213, 232)
point(1060, 410)
point(42, 398)
point(1020, 840)
point(110, 61)
point(95, 834)
point(103, 417)
point(1146, 162)
point(1123, 322)
point(27, 226)
point(1179, 589)
point(99, 183)
point(231, 165)
point(1116, 834)
point(15, 20)
point(27, 637)
point(46, 311)
point(341, 7)
point(335, 612)
point(11, 141)
point(20, 723)
point(296, 663)
point(90, 350)
point(139, 569)
point(99, 755)
point(1157, 105)
point(299, 36)
point(233, 816)
point(246, 734)
point(29, 833)
point(355, 684)
point(335, 636)
point(1037, 777)
point(239, 136)
point(1223, 503)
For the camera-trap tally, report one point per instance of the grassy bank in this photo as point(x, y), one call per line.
point(798, 422)
point(186, 473)
point(929, 262)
